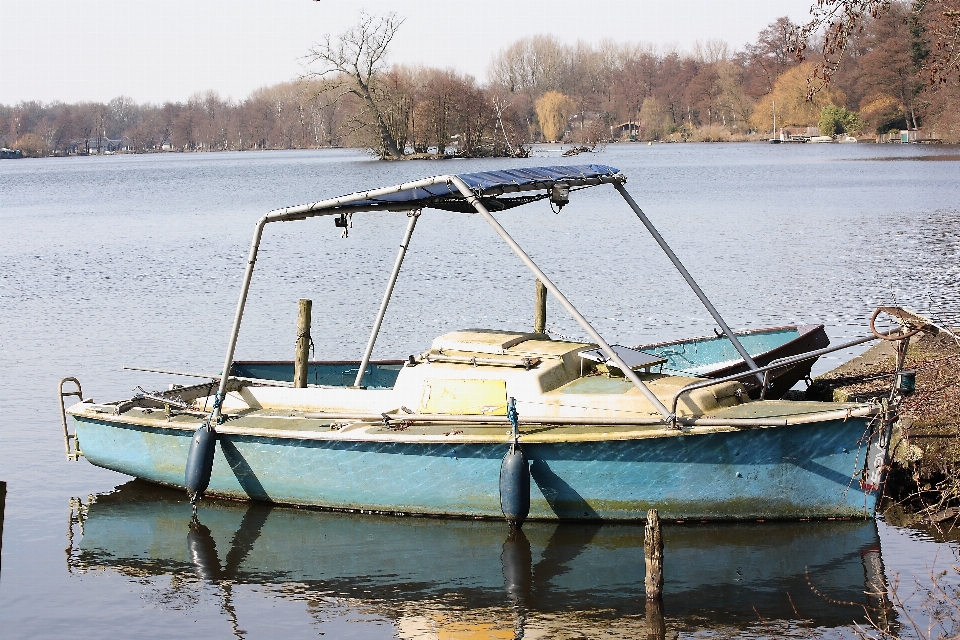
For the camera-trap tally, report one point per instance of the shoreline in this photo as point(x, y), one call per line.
point(560, 147)
point(923, 482)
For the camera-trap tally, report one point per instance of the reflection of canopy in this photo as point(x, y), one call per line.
point(487, 185)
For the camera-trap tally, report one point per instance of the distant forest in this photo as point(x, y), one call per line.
point(537, 89)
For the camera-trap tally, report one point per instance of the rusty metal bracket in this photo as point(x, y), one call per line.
point(69, 439)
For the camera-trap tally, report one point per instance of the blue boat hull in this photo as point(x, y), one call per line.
point(795, 471)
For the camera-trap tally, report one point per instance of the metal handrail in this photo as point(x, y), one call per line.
point(776, 364)
point(73, 452)
point(651, 420)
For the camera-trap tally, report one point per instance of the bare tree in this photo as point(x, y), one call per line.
point(840, 20)
point(533, 65)
point(765, 60)
point(354, 59)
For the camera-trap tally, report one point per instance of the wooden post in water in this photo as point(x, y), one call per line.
point(540, 311)
point(653, 556)
point(301, 366)
point(3, 505)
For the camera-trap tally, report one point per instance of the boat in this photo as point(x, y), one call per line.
point(715, 356)
point(492, 423)
point(554, 574)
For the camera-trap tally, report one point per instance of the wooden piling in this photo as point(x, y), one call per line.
point(656, 625)
point(540, 310)
point(301, 366)
point(3, 506)
point(653, 558)
point(653, 555)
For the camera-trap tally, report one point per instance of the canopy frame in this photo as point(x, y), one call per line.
point(472, 189)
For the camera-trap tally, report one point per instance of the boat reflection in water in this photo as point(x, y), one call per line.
point(460, 578)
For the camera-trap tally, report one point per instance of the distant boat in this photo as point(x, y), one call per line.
point(715, 356)
point(820, 139)
point(847, 139)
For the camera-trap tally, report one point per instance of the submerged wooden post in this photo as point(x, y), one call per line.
point(540, 311)
point(656, 625)
point(301, 366)
point(3, 505)
point(653, 557)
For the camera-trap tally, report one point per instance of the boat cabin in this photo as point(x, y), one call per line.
point(474, 372)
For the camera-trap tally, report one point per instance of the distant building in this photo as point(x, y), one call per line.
point(792, 134)
point(106, 145)
point(909, 136)
point(918, 136)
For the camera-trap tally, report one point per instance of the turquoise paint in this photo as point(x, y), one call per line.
point(783, 472)
point(333, 374)
point(696, 356)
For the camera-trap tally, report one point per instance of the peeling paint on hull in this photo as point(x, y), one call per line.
point(795, 471)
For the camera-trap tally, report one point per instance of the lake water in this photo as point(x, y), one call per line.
point(136, 260)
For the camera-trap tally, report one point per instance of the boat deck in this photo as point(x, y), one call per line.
point(301, 425)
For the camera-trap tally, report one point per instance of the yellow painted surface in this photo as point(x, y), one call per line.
point(481, 340)
point(473, 631)
point(469, 626)
point(464, 397)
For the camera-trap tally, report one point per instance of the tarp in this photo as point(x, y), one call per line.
point(488, 185)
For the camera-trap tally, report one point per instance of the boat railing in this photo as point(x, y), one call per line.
point(766, 370)
point(69, 439)
point(403, 420)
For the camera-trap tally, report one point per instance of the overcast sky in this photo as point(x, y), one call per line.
point(159, 50)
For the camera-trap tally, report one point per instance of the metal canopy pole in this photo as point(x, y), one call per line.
point(238, 316)
point(301, 212)
point(552, 288)
point(686, 276)
point(386, 297)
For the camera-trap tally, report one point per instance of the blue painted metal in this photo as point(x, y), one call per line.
point(379, 375)
point(716, 357)
point(698, 356)
point(486, 183)
point(715, 572)
point(808, 470)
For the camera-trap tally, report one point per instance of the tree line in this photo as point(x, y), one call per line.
point(537, 89)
